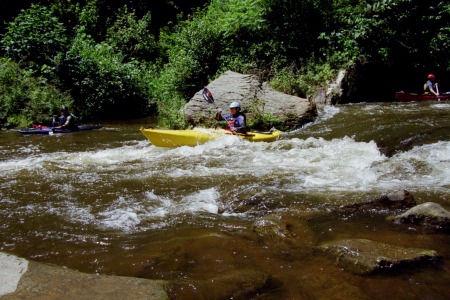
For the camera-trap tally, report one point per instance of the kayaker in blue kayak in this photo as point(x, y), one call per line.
point(430, 87)
point(236, 120)
point(66, 121)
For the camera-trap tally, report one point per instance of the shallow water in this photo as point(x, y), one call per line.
point(109, 202)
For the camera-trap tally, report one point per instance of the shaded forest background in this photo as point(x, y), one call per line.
point(126, 59)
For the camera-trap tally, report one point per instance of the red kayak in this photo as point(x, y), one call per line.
point(38, 129)
point(406, 97)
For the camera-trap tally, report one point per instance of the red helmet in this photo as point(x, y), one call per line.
point(431, 76)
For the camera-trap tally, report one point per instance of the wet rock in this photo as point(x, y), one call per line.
point(253, 96)
point(289, 234)
point(240, 284)
point(394, 200)
point(42, 281)
point(427, 214)
point(251, 201)
point(363, 256)
point(272, 229)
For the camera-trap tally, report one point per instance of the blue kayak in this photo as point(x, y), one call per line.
point(51, 130)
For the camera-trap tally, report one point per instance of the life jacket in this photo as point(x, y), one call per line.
point(72, 122)
point(232, 121)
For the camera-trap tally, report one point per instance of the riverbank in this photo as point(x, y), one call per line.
point(23, 279)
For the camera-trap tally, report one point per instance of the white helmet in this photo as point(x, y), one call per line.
point(235, 104)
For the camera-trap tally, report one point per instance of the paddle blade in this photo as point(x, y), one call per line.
point(207, 95)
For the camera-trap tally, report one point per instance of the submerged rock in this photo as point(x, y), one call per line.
point(427, 214)
point(292, 237)
point(394, 200)
point(363, 256)
point(241, 284)
point(272, 230)
point(315, 286)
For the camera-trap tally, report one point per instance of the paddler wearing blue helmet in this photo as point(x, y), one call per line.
point(236, 119)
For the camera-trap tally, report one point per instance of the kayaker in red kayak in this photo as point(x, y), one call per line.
point(67, 120)
point(236, 119)
point(430, 87)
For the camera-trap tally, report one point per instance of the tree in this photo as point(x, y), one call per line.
point(35, 38)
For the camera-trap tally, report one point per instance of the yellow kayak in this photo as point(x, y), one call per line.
point(193, 137)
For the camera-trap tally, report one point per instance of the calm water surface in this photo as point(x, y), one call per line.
point(109, 202)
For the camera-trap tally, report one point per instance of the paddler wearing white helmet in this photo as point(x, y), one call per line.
point(236, 120)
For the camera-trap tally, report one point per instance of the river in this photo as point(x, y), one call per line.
point(109, 202)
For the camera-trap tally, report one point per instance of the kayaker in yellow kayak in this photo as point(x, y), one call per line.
point(236, 120)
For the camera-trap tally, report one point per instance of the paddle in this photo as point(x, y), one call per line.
point(437, 91)
point(207, 95)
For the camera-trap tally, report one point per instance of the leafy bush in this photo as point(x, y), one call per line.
point(262, 121)
point(132, 37)
point(302, 81)
point(101, 82)
point(35, 37)
point(26, 99)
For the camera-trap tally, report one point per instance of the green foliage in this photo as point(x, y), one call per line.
point(26, 99)
point(388, 31)
point(231, 17)
point(440, 41)
point(260, 120)
point(101, 81)
point(132, 37)
point(89, 21)
point(116, 59)
point(304, 80)
point(35, 37)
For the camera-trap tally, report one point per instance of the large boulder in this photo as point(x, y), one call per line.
point(255, 98)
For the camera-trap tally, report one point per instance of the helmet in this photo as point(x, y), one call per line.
point(235, 104)
point(431, 76)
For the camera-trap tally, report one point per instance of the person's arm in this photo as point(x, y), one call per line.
point(437, 89)
point(431, 87)
point(219, 116)
point(66, 124)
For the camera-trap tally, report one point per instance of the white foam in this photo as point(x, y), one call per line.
point(127, 214)
point(206, 200)
point(426, 166)
point(121, 214)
